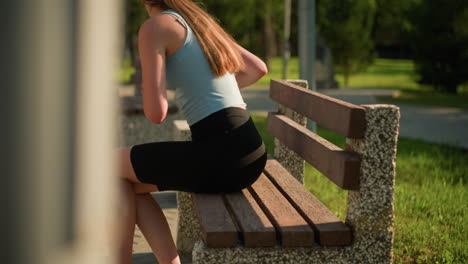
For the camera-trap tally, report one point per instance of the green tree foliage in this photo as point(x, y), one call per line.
point(392, 14)
point(237, 17)
point(135, 15)
point(392, 22)
point(255, 24)
point(346, 26)
point(440, 43)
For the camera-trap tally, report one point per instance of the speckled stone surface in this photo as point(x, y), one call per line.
point(288, 158)
point(188, 231)
point(278, 255)
point(370, 210)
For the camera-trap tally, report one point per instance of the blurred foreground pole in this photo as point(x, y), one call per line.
point(56, 137)
point(97, 182)
point(306, 31)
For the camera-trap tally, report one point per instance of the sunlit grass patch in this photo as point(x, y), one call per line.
point(385, 74)
point(126, 71)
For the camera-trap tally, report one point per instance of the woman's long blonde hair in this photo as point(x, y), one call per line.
point(217, 45)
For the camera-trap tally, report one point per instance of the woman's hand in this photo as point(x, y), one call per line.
point(254, 68)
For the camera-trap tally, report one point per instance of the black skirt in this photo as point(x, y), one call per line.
point(226, 154)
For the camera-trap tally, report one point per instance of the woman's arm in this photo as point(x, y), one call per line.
point(254, 68)
point(152, 51)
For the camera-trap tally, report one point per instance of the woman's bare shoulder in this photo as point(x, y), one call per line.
point(158, 24)
point(163, 29)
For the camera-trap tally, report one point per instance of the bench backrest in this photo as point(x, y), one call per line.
point(366, 167)
point(340, 166)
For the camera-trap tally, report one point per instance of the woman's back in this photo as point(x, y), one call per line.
point(198, 90)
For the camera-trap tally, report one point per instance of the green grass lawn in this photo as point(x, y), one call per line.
point(383, 74)
point(431, 198)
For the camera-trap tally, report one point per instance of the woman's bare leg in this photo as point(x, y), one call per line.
point(127, 209)
point(153, 224)
point(147, 214)
point(142, 188)
point(128, 216)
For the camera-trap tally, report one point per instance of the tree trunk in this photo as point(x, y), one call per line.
point(346, 74)
point(268, 33)
point(286, 47)
point(451, 88)
point(346, 78)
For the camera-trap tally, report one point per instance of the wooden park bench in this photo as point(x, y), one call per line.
point(277, 220)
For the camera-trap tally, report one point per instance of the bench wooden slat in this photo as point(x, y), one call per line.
point(329, 230)
point(340, 166)
point(342, 117)
point(256, 228)
point(293, 229)
point(217, 226)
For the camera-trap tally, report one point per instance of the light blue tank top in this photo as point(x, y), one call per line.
point(198, 91)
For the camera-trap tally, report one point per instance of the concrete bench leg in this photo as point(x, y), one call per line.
point(315, 255)
point(188, 231)
point(370, 210)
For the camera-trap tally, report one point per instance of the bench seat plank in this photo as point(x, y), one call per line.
point(329, 230)
point(342, 117)
point(217, 226)
point(340, 166)
point(293, 230)
point(256, 228)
